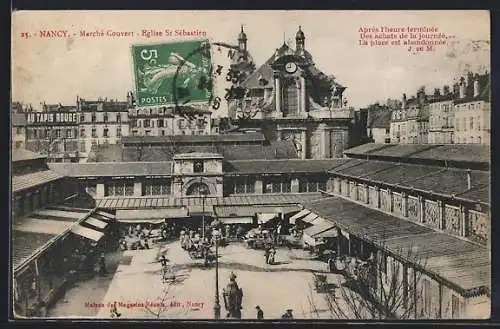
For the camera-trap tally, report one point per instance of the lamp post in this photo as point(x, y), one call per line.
point(203, 193)
point(217, 302)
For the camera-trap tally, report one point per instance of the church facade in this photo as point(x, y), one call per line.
point(289, 98)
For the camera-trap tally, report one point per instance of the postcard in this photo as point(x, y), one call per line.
point(250, 165)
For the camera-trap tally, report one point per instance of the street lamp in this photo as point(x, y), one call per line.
point(203, 192)
point(216, 234)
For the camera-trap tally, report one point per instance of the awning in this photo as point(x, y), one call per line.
point(59, 214)
point(250, 211)
point(330, 233)
point(105, 214)
point(266, 217)
point(150, 215)
point(96, 222)
point(87, 233)
point(311, 240)
point(236, 220)
point(300, 214)
point(319, 228)
point(309, 218)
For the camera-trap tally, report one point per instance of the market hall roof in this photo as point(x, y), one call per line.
point(118, 153)
point(112, 169)
point(464, 264)
point(280, 166)
point(451, 153)
point(26, 181)
point(194, 139)
point(432, 179)
point(168, 202)
point(24, 155)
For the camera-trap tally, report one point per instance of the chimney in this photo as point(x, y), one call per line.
point(476, 85)
point(403, 106)
point(469, 179)
point(462, 88)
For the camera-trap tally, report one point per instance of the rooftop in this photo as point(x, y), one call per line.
point(197, 203)
point(23, 182)
point(434, 179)
point(24, 155)
point(470, 153)
point(112, 169)
point(278, 166)
point(197, 155)
point(118, 153)
point(194, 139)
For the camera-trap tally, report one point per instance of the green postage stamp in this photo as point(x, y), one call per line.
point(172, 73)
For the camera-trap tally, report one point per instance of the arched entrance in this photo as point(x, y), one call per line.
point(198, 189)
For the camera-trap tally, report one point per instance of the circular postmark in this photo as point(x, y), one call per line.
point(187, 79)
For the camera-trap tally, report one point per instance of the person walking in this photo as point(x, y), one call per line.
point(287, 315)
point(260, 313)
point(102, 265)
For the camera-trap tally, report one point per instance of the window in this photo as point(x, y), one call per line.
point(19, 130)
point(82, 132)
point(134, 133)
point(464, 124)
point(311, 184)
point(69, 133)
point(160, 123)
point(244, 185)
point(277, 184)
point(471, 123)
point(118, 132)
point(19, 144)
point(198, 166)
point(119, 189)
point(118, 117)
point(457, 124)
point(93, 117)
point(455, 307)
point(105, 117)
point(147, 123)
point(83, 147)
point(94, 133)
point(105, 132)
point(35, 133)
point(478, 123)
point(148, 132)
point(479, 140)
point(156, 187)
point(82, 117)
point(58, 133)
point(163, 132)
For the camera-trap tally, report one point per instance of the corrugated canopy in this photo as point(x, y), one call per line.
point(309, 218)
point(23, 182)
point(300, 214)
point(149, 214)
point(45, 226)
point(250, 211)
point(96, 223)
point(237, 220)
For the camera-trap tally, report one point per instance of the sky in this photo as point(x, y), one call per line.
point(57, 70)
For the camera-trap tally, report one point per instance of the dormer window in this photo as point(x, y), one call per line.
point(198, 166)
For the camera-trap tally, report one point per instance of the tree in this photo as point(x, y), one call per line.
point(47, 143)
point(437, 92)
point(368, 293)
point(446, 90)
